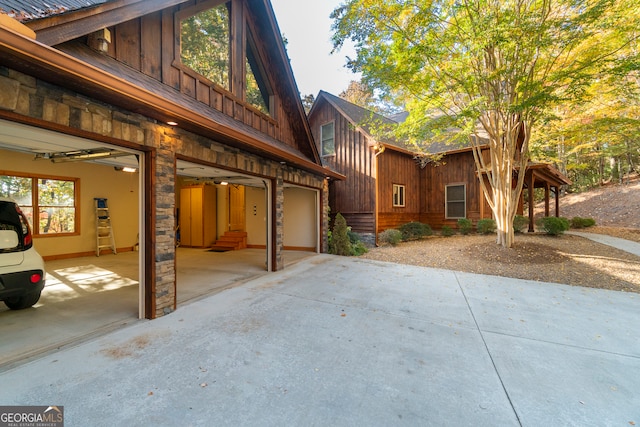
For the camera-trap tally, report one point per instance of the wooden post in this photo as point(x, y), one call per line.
point(531, 186)
point(546, 199)
point(557, 201)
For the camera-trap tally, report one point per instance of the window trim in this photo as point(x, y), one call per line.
point(35, 206)
point(322, 140)
point(447, 201)
point(401, 192)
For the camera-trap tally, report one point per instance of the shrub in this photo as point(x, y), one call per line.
point(358, 247)
point(391, 236)
point(486, 226)
point(340, 243)
point(554, 226)
point(577, 222)
point(519, 223)
point(447, 231)
point(415, 230)
point(465, 225)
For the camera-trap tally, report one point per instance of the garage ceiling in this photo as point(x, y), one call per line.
point(45, 145)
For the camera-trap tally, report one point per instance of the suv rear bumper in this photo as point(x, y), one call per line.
point(19, 283)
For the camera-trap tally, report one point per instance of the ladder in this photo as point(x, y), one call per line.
point(104, 232)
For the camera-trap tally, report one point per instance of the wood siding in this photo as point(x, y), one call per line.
point(456, 168)
point(354, 197)
point(150, 44)
point(400, 169)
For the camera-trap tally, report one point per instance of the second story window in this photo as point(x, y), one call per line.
point(327, 138)
point(205, 44)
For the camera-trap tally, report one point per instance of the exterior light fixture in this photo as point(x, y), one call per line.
point(172, 123)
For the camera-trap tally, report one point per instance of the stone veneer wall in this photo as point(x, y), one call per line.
point(32, 98)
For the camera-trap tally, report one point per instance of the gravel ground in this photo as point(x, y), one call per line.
point(571, 260)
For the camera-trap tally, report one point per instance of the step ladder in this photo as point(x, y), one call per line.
point(104, 232)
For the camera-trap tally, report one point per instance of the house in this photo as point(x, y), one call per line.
point(196, 98)
point(386, 186)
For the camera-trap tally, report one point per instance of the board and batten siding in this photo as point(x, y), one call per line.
point(401, 169)
point(354, 157)
point(150, 44)
point(458, 168)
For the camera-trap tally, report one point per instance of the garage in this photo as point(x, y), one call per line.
point(206, 182)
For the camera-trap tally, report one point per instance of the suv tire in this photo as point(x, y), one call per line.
point(22, 302)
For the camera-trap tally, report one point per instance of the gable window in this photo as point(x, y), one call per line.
point(52, 202)
point(205, 44)
point(456, 201)
point(398, 195)
point(258, 90)
point(327, 138)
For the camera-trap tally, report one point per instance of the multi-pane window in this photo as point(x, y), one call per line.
point(205, 44)
point(456, 201)
point(398, 195)
point(50, 204)
point(327, 138)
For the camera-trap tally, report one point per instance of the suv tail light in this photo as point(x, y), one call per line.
point(35, 277)
point(27, 237)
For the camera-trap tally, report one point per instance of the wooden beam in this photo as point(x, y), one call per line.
point(82, 23)
point(557, 191)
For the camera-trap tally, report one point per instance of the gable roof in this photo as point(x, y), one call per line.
point(365, 119)
point(57, 25)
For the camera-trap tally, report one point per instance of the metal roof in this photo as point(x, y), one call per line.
point(24, 10)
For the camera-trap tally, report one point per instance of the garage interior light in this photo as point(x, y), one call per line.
point(125, 169)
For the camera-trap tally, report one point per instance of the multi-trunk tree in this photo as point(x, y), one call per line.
point(492, 67)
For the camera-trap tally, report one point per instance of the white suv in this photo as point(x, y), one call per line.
point(22, 273)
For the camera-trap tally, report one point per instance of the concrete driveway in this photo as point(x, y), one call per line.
point(348, 342)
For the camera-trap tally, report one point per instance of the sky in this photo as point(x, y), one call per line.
point(307, 27)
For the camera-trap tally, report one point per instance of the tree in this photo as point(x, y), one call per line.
point(496, 65)
point(360, 94)
point(307, 102)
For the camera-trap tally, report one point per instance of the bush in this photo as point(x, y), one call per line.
point(391, 236)
point(357, 245)
point(486, 226)
point(554, 226)
point(577, 222)
point(465, 225)
point(519, 223)
point(339, 244)
point(415, 230)
point(447, 231)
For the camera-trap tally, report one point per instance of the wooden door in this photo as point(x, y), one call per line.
point(236, 208)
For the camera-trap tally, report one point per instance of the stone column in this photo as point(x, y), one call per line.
point(278, 238)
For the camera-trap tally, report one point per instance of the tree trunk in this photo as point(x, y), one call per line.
point(509, 154)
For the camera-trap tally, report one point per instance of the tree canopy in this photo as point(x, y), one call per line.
point(492, 67)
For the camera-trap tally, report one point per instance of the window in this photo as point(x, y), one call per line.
point(456, 201)
point(258, 90)
point(398, 195)
point(327, 138)
point(205, 44)
point(54, 200)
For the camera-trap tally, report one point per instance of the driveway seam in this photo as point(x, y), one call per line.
point(486, 346)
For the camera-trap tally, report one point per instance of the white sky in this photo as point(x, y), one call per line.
point(307, 27)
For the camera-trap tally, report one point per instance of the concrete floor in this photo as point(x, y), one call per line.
point(90, 296)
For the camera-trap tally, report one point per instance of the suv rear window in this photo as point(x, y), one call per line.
point(12, 219)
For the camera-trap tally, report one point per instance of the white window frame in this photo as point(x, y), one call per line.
point(323, 139)
point(399, 192)
point(447, 201)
